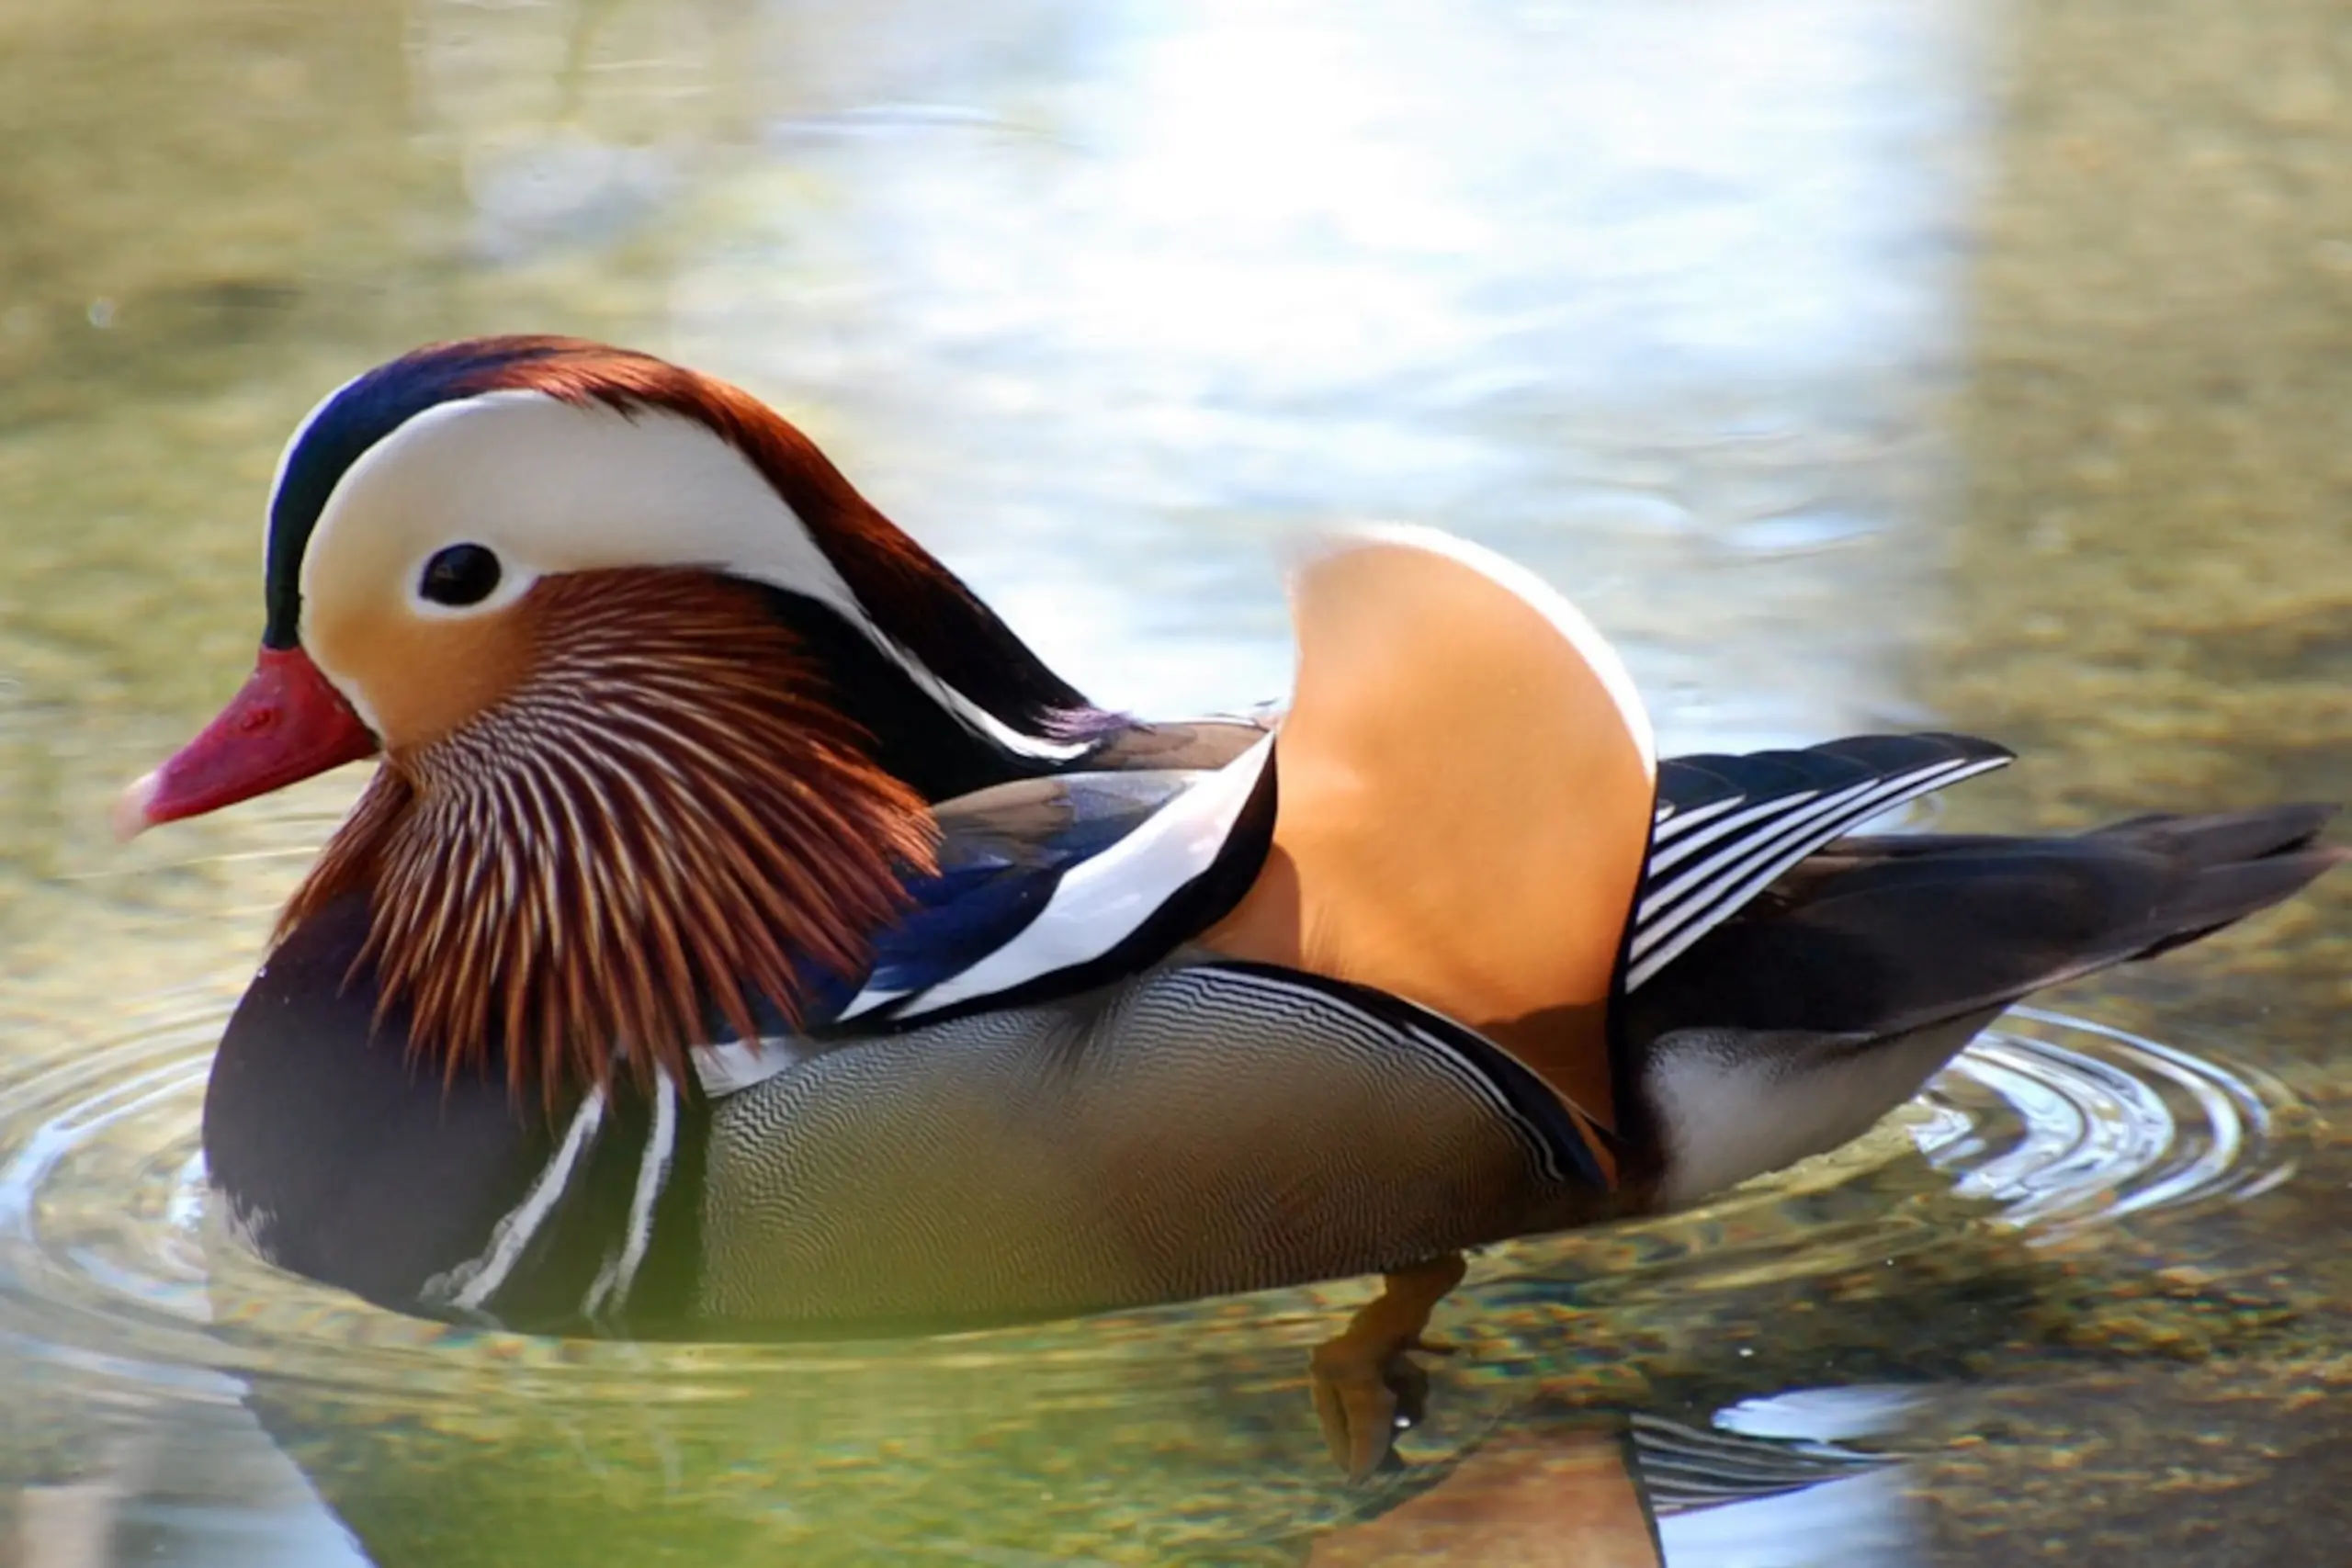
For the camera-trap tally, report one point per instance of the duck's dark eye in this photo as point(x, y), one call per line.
point(462, 574)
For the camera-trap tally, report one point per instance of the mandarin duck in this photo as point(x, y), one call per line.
point(745, 934)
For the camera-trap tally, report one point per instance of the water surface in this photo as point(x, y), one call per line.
point(1853, 365)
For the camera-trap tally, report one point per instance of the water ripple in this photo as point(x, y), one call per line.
point(2066, 1123)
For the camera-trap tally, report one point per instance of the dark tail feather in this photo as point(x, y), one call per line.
point(2233, 864)
point(2226, 836)
point(1881, 936)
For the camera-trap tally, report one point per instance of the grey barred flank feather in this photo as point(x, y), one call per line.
point(665, 815)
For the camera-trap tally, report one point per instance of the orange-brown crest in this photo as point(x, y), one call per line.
point(663, 816)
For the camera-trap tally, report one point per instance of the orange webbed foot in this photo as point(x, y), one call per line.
point(1366, 1385)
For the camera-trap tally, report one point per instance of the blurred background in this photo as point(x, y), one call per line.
point(1854, 363)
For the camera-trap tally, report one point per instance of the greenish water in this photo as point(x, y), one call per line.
point(1852, 364)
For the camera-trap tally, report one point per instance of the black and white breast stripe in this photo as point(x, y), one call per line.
point(572, 1210)
point(608, 1293)
point(1728, 826)
point(468, 1288)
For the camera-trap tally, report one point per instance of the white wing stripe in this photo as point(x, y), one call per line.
point(1104, 899)
point(868, 999)
point(1658, 897)
point(1663, 909)
point(1779, 806)
point(1673, 823)
point(1883, 790)
point(1720, 902)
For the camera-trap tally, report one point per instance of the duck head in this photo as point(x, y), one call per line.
point(661, 700)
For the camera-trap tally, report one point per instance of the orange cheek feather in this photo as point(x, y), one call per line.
point(425, 678)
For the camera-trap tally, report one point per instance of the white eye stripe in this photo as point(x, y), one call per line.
point(553, 487)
